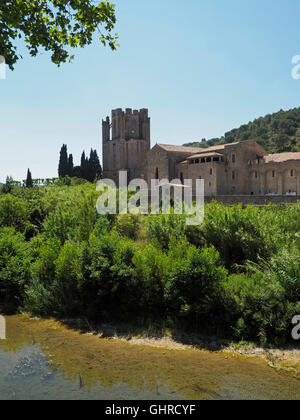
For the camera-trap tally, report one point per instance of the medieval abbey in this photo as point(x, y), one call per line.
point(244, 168)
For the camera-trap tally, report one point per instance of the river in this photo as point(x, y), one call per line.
point(44, 359)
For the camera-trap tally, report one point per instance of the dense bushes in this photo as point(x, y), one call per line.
point(242, 234)
point(238, 273)
point(194, 287)
point(14, 269)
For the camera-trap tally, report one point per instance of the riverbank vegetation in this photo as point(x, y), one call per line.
point(237, 275)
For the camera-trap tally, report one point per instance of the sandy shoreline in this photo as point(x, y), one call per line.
point(286, 358)
point(280, 359)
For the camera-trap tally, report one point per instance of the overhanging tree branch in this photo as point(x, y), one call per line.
point(55, 26)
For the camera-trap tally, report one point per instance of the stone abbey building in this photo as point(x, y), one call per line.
point(235, 169)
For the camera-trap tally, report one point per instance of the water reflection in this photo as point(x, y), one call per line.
point(43, 359)
point(28, 375)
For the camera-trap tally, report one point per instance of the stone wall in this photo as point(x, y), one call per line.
point(229, 175)
point(256, 200)
point(157, 164)
point(274, 177)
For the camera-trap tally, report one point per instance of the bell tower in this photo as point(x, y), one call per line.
point(125, 143)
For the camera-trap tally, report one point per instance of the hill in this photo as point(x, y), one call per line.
point(277, 133)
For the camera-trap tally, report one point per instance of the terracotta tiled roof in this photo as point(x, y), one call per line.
point(184, 149)
point(281, 157)
point(194, 150)
point(204, 155)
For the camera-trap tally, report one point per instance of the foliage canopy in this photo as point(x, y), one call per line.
point(277, 133)
point(55, 25)
point(237, 274)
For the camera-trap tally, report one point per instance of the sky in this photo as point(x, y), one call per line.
point(201, 67)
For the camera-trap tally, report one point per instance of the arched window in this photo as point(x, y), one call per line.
point(156, 174)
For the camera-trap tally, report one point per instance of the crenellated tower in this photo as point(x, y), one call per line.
point(126, 142)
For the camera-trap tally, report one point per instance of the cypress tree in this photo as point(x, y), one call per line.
point(63, 166)
point(70, 165)
point(98, 167)
point(84, 167)
point(92, 173)
point(29, 182)
point(77, 172)
point(95, 167)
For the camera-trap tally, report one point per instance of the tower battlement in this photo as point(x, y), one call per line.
point(126, 142)
point(126, 125)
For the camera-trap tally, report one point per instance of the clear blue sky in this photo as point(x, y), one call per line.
point(202, 67)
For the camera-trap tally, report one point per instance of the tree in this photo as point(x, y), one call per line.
point(95, 169)
point(63, 166)
point(77, 172)
point(8, 186)
point(84, 166)
point(29, 182)
point(54, 25)
point(70, 165)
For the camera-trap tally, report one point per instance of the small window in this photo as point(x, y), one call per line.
point(292, 173)
point(273, 174)
point(181, 177)
point(233, 175)
point(209, 184)
point(233, 158)
point(256, 175)
point(156, 174)
point(211, 172)
point(197, 161)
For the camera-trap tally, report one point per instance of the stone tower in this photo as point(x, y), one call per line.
point(126, 142)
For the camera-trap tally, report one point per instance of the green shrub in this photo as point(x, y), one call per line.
point(67, 276)
point(194, 289)
point(55, 274)
point(151, 271)
point(130, 226)
point(14, 270)
point(242, 234)
point(44, 254)
point(259, 309)
point(13, 212)
point(162, 228)
point(106, 284)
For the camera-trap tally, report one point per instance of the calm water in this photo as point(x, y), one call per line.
point(46, 360)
